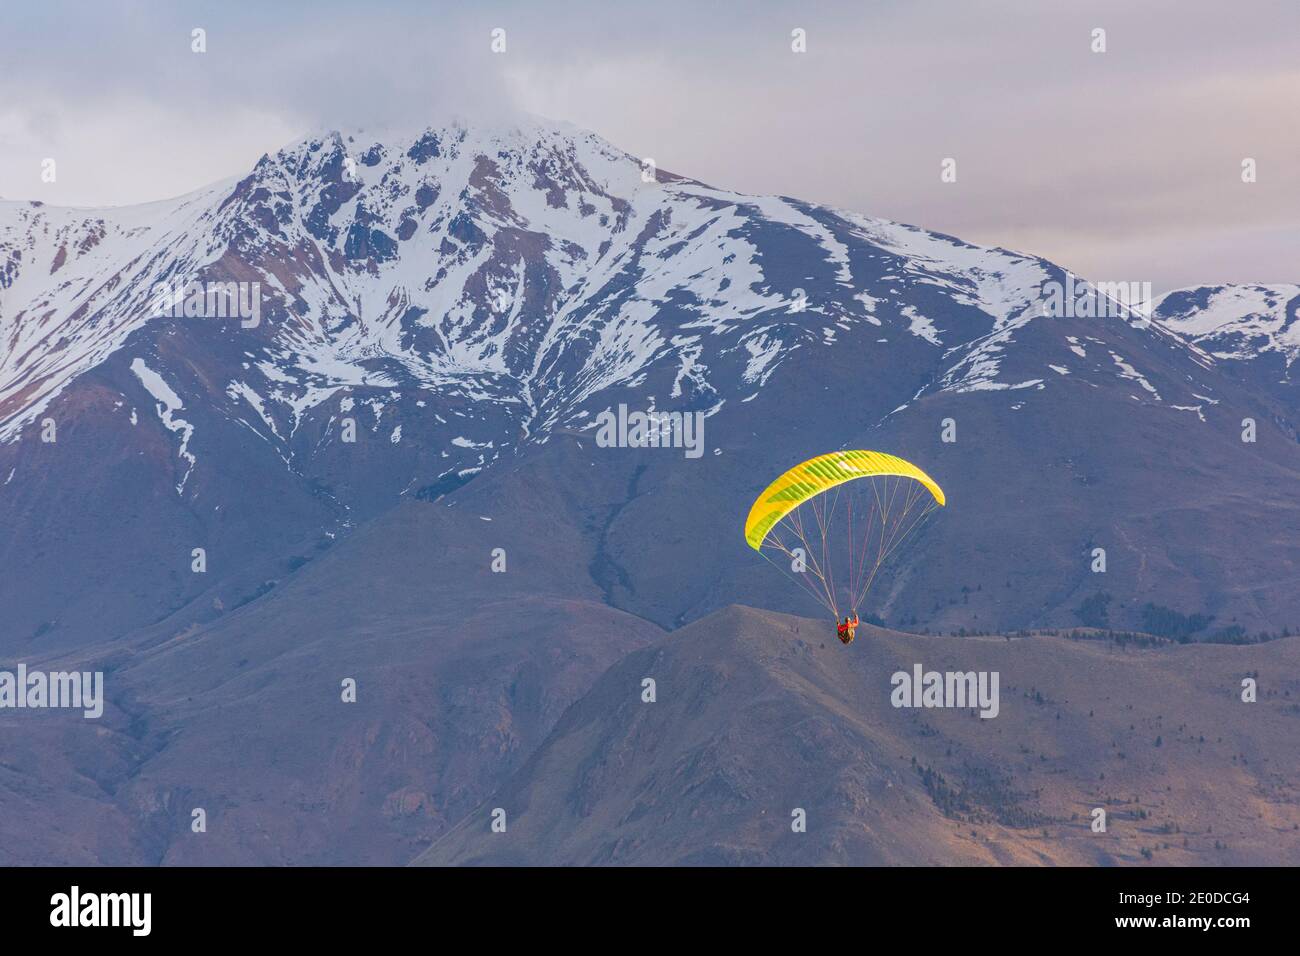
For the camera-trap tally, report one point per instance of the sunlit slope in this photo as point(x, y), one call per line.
point(759, 714)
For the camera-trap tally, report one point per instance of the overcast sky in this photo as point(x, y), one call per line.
point(1123, 165)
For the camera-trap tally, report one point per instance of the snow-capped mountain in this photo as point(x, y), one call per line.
point(1252, 331)
point(530, 267)
point(75, 283)
point(1237, 322)
point(461, 295)
point(183, 508)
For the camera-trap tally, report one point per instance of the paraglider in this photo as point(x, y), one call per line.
point(846, 631)
point(833, 521)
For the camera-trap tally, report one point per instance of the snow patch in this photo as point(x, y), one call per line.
point(168, 404)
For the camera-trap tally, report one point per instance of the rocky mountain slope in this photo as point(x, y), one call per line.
point(758, 715)
point(459, 673)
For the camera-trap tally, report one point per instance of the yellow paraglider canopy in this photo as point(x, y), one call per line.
point(818, 474)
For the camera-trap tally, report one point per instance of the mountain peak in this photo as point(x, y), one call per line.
point(1237, 321)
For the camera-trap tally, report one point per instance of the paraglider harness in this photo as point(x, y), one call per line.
point(846, 631)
